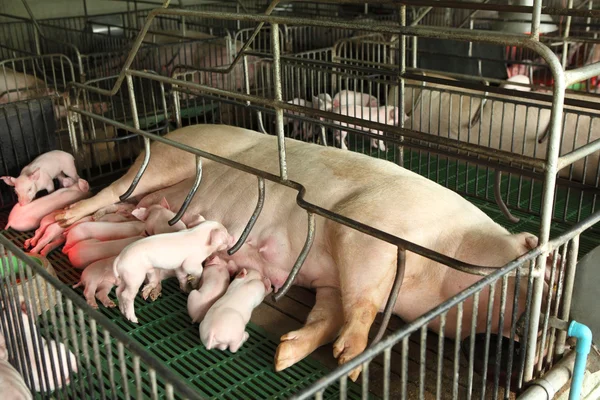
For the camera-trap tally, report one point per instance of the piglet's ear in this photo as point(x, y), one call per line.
point(24, 307)
point(140, 213)
point(241, 274)
point(164, 203)
point(35, 175)
point(9, 180)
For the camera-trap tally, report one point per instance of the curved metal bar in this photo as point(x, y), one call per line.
point(389, 307)
point(253, 218)
point(190, 195)
point(141, 171)
point(500, 201)
point(544, 135)
point(301, 258)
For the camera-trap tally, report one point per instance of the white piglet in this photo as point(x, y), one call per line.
point(349, 97)
point(215, 280)
point(182, 251)
point(38, 175)
point(387, 115)
point(224, 325)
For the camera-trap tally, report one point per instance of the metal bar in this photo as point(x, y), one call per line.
point(567, 293)
point(136, 124)
point(303, 254)
point(536, 14)
point(453, 263)
point(500, 201)
point(257, 210)
point(582, 73)
point(389, 306)
point(190, 195)
point(278, 97)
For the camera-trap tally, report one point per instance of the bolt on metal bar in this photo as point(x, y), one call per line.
point(259, 206)
point(310, 236)
point(389, 306)
point(190, 195)
point(500, 201)
point(136, 124)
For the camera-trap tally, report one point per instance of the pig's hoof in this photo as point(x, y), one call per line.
point(288, 352)
point(146, 290)
point(92, 304)
point(155, 293)
point(109, 304)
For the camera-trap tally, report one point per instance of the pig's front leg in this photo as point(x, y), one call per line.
point(322, 326)
point(365, 283)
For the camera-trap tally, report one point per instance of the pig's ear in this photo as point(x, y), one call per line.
point(24, 307)
point(140, 213)
point(241, 274)
point(84, 186)
point(9, 180)
point(393, 114)
point(35, 175)
point(164, 203)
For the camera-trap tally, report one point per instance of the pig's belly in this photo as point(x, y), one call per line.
point(278, 235)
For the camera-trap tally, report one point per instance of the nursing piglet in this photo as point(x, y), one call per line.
point(215, 280)
point(84, 253)
point(39, 175)
point(156, 218)
point(385, 115)
point(225, 322)
point(27, 217)
point(102, 231)
point(183, 251)
point(98, 280)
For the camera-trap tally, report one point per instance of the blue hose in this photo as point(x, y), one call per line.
point(583, 334)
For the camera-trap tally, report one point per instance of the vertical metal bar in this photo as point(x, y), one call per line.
point(404, 371)
point(456, 374)
point(279, 97)
point(547, 204)
point(257, 210)
point(422, 361)
point(136, 124)
point(387, 356)
point(190, 195)
point(567, 293)
point(343, 387)
point(472, 345)
point(365, 380)
point(440, 351)
point(401, 84)
point(535, 19)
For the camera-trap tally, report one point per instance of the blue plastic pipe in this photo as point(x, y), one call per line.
point(583, 334)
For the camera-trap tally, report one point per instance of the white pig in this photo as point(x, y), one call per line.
point(29, 216)
point(98, 279)
point(349, 97)
point(102, 231)
point(225, 322)
point(183, 251)
point(86, 252)
point(385, 115)
point(156, 218)
point(215, 280)
point(55, 356)
point(38, 175)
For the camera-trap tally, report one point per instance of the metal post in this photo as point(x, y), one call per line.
point(535, 19)
point(401, 87)
point(278, 97)
point(566, 36)
point(571, 266)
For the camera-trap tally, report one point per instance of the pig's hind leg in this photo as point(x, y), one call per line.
point(322, 326)
point(90, 295)
point(366, 275)
point(102, 295)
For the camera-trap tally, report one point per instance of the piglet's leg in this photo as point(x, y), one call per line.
point(322, 326)
point(52, 245)
point(102, 295)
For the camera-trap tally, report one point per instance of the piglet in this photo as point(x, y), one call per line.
point(86, 252)
point(299, 128)
point(225, 322)
point(517, 79)
point(215, 280)
point(156, 218)
point(183, 251)
point(49, 235)
point(28, 217)
point(98, 280)
point(39, 175)
point(56, 358)
point(102, 231)
point(349, 97)
point(385, 115)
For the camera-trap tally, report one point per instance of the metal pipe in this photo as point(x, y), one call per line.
point(310, 236)
point(257, 210)
point(500, 201)
point(569, 282)
point(553, 381)
point(551, 170)
point(582, 73)
point(190, 195)
point(583, 334)
point(389, 306)
point(578, 154)
point(535, 19)
point(278, 97)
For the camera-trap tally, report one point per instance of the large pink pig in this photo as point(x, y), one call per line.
point(86, 252)
point(182, 251)
point(214, 283)
point(29, 216)
point(351, 271)
point(17, 86)
point(38, 175)
point(385, 115)
point(98, 280)
point(225, 323)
